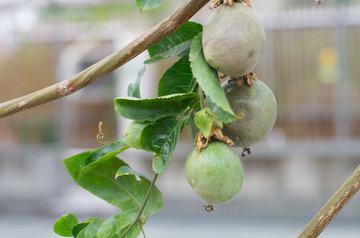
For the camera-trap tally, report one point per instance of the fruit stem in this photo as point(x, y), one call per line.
point(152, 185)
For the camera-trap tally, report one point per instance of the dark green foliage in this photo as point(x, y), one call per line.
point(156, 127)
point(175, 44)
point(177, 79)
point(153, 109)
point(100, 176)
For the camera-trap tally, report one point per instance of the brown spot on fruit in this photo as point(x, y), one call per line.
point(251, 53)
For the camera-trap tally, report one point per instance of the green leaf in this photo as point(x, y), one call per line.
point(134, 88)
point(81, 234)
point(177, 79)
point(219, 113)
point(133, 132)
point(177, 43)
point(126, 192)
point(63, 226)
point(76, 230)
point(94, 226)
point(204, 121)
point(161, 137)
point(156, 134)
point(153, 109)
point(207, 78)
point(118, 224)
point(147, 5)
point(113, 180)
point(103, 150)
point(126, 170)
point(155, 197)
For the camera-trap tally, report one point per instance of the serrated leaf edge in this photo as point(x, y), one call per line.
point(192, 68)
point(180, 122)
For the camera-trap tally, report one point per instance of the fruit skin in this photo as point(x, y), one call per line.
point(233, 40)
point(257, 107)
point(133, 133)
point(215, 173)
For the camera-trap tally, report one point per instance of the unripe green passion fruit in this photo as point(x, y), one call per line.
point(215, 173)
point(257, 108)
point(133, 133)
point(233, 40)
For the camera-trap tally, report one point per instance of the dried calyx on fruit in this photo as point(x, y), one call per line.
point(233, 40)
point(217, 3)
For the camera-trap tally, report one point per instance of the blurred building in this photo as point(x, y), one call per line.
point(311, 63)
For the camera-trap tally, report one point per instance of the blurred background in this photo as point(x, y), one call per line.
point(311, 62)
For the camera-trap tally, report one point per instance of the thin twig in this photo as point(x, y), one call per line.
point(333, 206)
point(106, 65)
point(152, 185)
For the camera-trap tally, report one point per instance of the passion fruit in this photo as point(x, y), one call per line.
point(233, 40)
point(215, 173)
point(256, 106)
point(133, 133)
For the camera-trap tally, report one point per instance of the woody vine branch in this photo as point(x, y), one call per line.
point(106, 65)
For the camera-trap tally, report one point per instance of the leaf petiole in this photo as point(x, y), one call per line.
point(142, 231)
point(142, 207)
point(193, 107)
point(194, 87)
point(202, 101)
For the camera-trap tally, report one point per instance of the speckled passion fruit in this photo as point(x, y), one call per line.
point(215, 173)
point(257, 108)
point(233, 40)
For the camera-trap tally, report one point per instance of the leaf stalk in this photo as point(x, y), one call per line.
point(137, 220)
point(202, 98)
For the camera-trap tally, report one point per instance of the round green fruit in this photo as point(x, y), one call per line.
point(233, 40)
point(133, 133)
point(215, 174)
point(256, 106)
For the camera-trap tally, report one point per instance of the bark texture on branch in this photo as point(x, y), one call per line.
point(106, 65)
point(333, 206)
